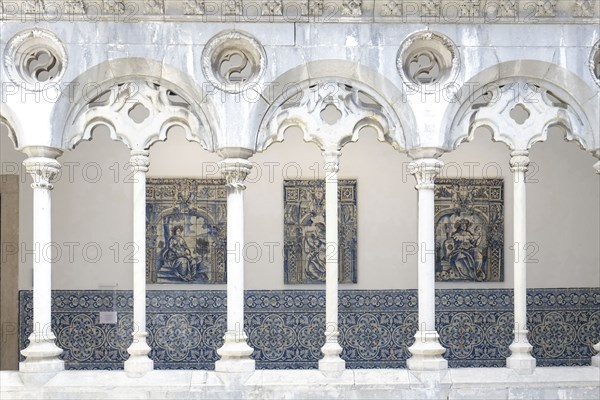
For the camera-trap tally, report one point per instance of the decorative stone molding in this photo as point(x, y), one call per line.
point(425, 171)
point(272, 8)
point(426, 60)
point(43, 170)
point(114, 7)
point(75, 7)
point(246, 57)
point(140, 161)
point(194, 7)
point(235, 171)
point(332, 160)
point(332, 11)
point(35, 58)
point(352, 8)
point(583, 8)
point(546, 8)
point(519, 161)
point(163, 109)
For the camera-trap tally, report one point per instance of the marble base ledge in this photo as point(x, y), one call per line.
point(460, 383)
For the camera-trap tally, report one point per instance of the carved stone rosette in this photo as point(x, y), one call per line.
point(232, 60)
point(35, 58)
point(427, 59)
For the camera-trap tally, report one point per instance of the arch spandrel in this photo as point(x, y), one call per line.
point(8, 119)
point(579, 109)
point(70, 126)
point(306, 85)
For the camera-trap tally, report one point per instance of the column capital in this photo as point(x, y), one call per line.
point(140, 160)
point(519, 161)
point(425, 171)
point(43, 170)
point(235, 171)
point(332, 160)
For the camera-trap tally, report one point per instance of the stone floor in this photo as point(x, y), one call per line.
point(464, 383)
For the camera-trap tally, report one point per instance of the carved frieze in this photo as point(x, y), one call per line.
point(440, 11)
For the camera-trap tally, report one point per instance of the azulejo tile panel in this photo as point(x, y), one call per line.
point(286, 327)
point(186, 230)
point(304, 231)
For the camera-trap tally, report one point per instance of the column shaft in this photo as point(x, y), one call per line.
point(42, 353)
point(235, 352)
point(138, 362)
point(520, 359)
point(426, 350)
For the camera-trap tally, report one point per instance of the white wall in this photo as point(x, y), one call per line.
point(94, 212)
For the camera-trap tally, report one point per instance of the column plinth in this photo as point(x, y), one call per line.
point(41, 355)
point(139, 363)
point(426, 350)
point(520, 359)
point(235, 352)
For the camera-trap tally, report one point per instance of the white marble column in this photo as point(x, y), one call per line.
point(426, 350)
point(235, 352)
point(596, 357)
point(138, 362)
point(331, 350)
point(42, 353)
point(520, 359)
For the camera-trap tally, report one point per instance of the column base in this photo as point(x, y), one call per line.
point(138, 363)
point(235, 354)
point(521, 360)
point(427, 353)
point(596, 358)
point(331, 361)
point(42, 362)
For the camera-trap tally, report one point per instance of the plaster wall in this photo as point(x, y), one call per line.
point(92, 205)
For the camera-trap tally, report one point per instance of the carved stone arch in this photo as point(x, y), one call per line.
point(106, 93)
point(8, 119)
point(575, 104)
point(363, 96)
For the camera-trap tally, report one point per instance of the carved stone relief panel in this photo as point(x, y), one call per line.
point(304, 231)
point(186, 230)
point(469, 230)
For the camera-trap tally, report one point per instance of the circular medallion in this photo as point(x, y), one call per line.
point(427, 60)
point(35, 58)
point(231, 60)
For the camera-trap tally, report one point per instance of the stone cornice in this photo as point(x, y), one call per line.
point(324, 11)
